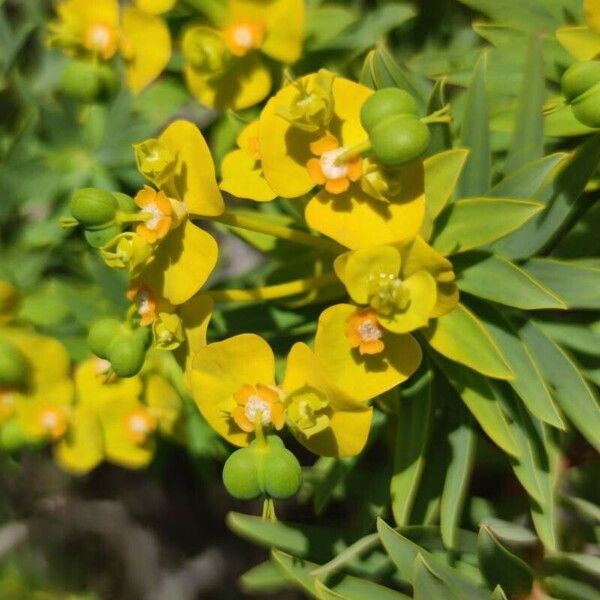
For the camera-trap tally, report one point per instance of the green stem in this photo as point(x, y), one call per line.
point(353, 152)
point(272, 292)
point(359, 547)
point(439, 116)
point(252, 223)
point(139, 217)
point(215, 10)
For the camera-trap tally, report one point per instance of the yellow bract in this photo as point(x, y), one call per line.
point(224, 68)
point(295, 158)
point(100, 29)
point(179, 162)
point(241, 170)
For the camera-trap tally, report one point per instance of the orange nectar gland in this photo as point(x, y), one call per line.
point(139, 424)
point(145, 302)
point(101, 39)
point(243, 36)
point(160, 211)
point(364, 332)
point(52, 421)
point(324, 170)
point(258, 404)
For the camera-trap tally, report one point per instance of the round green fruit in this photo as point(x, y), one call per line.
point(13, 365)
point(98, 237)
point(399, 140)
point(82, 81)
point(385, 103)
point(240, 475)
point(282, 475)
point(586, 107)
point(93, 207)
point(126, 353)
point(125, 202)
point(579, 78)
point(101, 334)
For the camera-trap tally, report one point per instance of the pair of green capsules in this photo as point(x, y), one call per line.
point(580, 85)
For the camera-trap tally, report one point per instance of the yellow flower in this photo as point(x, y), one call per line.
point(100, 29)
point(233, 383)
point(180, 164)
point(305, 133)
point(583, 41)
point(224, 66)
point(399, 284)
point(241, 170)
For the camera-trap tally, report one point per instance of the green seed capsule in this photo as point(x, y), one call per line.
point(385, 103)
point(282, 475)
point(98, 237)
point(240, 475)
point(126, 203)
point(93, 207)
point(579, 78)
point(13, 365)
point(126, 353)
point(101, 334)
point(586, 107)
point(82, 81)
point(399, 140)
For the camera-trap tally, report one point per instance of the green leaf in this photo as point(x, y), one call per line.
point(562, 197)
point(441, 136)
point(528, 179)
point(501, 567)
point(367, 76)
point(462, 337)
point(511, 533)
point(426, 585)
point(414, 423)
point(528, 382)
point(580, 336)
point(347, 587)
point(463, 441)
point(498, 594)
point(573, 394)
point(474, 222)
point(564, 588)
point(476, 176)
point(298, 539)
point(527, 141)
point(497, 279)
point(325, 23)
point(296, 570)
point(524, 15)
point(442, 171)
point(265, 578)
point(476, 392)
point(577, 284)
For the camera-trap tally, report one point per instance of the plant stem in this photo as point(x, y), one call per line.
point(439, 116)
point(259, 225)
point(271, 292)
point(353, 152)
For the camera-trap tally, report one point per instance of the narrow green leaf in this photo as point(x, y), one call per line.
point(474, 222)
point(528, 382)
point(347, 587)
point(577, 284)
point(498, 594)
point(564, 588)
point(463, 441)
point(324, 23)
point(427, 585)
point(441, 136)
point(414, 422)
point(475, 180)
point(562, 197)
point(529, 178)
point(366, 74)
point(462, 337)
point(573, 394)
point(585, 508)
point(580, 336)
point(511, 533)
point(497, 279)
point(297, 570)
point(501, 567)
point(476, 392)
point(265, 578)
point(527, 141)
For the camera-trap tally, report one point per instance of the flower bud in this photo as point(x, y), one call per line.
point(101, 334)
point(205, 50)
point(399, 140)
point(240, 475)
point(384, 103)
point(93, 207)
point(167, 331)
point(154, 160)
point(14, 367)
point(127, 251)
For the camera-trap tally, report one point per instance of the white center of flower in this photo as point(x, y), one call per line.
point(102, 365)
point(243, 37)
point(329, 168)
point(49, 419)
point(143, 302)
point(256, 406)
point(369, 332)
point(99, 36)
point(138, 424)
point(156, 213)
